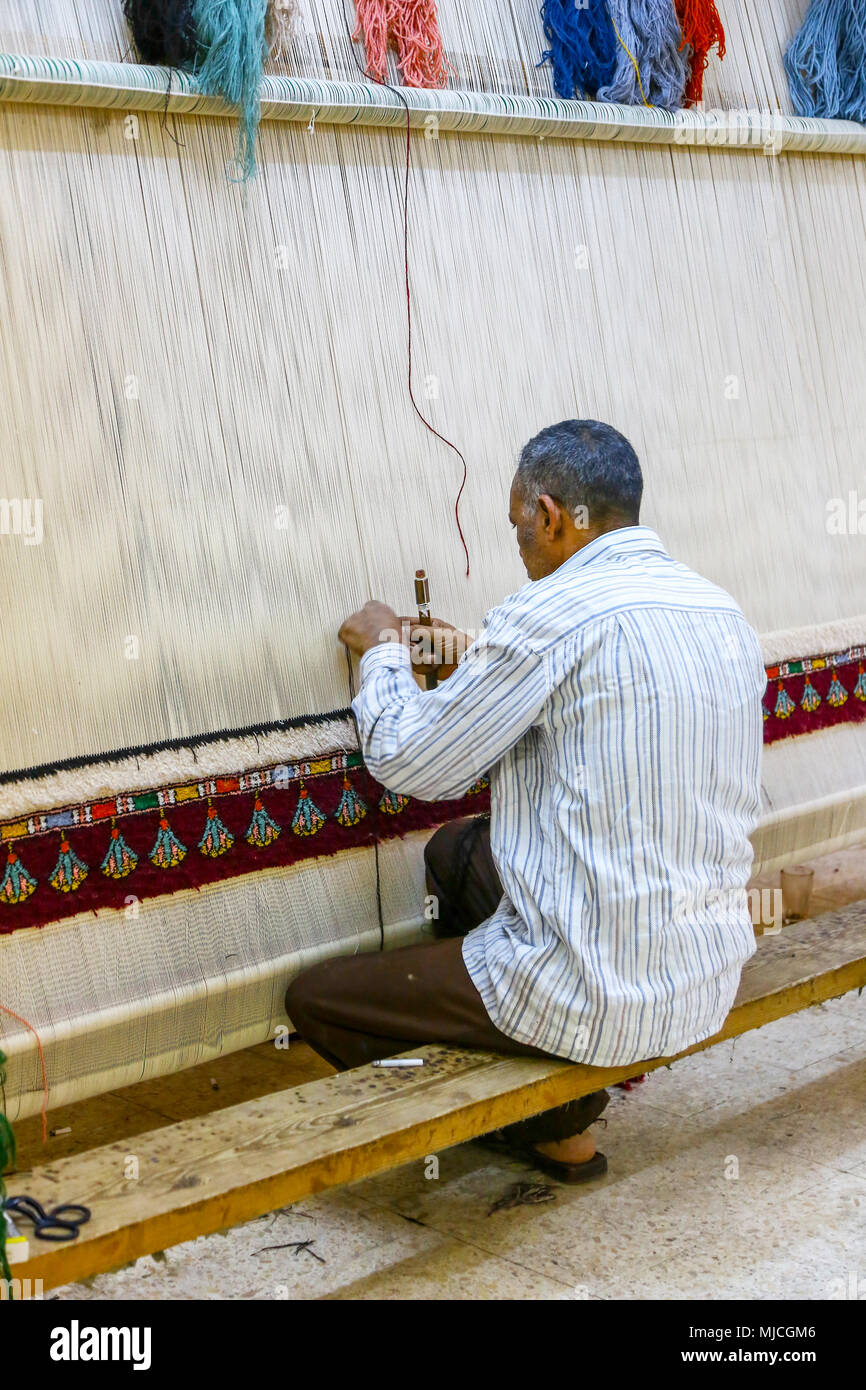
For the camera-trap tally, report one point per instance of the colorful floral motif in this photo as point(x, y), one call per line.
point(262, 830)
point(351, 808)
point(138, 846)
point(17, 885)
point(811, 699)
point(811, 693)
point(216, 840)
point(69, 871)
point(168, 850)
point(837, 694)
point(784, 704)
point(308, 819)
point(119, 859)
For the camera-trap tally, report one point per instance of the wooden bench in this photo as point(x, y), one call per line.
point(215, 1171)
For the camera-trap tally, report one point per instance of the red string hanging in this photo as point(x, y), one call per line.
point(377, 12)
point(702, 30)
point(19, 1019)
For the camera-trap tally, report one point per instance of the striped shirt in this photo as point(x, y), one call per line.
point(616, 706)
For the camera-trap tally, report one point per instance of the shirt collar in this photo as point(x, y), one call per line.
point(625, 540)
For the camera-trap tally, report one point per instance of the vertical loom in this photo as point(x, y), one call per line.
point(204, 385)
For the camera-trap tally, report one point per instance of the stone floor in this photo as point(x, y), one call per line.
point(740, 1173)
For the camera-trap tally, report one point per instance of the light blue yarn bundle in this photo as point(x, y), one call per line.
point(651, 30)
point(230, 63)
point(826, 61)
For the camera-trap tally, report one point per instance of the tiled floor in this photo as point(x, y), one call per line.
point(739, 1173)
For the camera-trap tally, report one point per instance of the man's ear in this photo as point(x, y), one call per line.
point(551, 516)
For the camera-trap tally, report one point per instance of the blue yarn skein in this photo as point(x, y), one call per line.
point(826, 61)
point(230, 63)
point(582, 46)
point(651, 30)
point(852, 62)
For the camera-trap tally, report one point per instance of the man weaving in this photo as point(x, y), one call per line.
point(614, 702)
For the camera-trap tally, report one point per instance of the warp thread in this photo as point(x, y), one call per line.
point(826, 61)
point(702, 30)
point(412, 28)
point(42, 1068)
point(279, 25)
point(652, 68)
point(372, 801)
point(7, 1160)
point(407, 169)
point(163, 31)
point(583, 46)
point(231, 55)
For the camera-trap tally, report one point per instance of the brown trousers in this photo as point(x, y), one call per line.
point(352, 1009)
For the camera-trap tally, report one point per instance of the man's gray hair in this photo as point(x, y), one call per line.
point(583, 463)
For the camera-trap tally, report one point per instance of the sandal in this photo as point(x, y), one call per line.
point(499, 1142)
point(594, 1167)
point(508, 1141)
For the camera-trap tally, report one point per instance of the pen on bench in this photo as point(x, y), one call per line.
point(399, 1062)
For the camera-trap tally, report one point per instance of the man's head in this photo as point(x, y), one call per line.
point(574, 481)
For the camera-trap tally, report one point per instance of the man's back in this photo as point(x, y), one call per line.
point(620, 819)
point(615, 702)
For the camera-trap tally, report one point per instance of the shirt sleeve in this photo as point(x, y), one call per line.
point(435, 744)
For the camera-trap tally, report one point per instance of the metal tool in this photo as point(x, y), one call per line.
point(422, 599)
point(60, 1223)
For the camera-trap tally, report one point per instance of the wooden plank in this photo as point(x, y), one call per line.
point(164, 1100)
point(215, 1171)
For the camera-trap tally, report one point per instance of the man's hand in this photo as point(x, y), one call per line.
point(437, 646)
point(373, 623)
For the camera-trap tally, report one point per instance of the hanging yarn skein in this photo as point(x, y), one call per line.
point(702, 30)
point(826, 61)
point(412, 28)
point(583, 46)
point(279, 24)
point(651, 67)
point(231, 54)
point(162, 30)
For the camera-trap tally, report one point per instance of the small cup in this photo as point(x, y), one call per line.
point(796, 892)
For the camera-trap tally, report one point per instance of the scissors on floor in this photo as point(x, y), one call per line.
point(60, 1223)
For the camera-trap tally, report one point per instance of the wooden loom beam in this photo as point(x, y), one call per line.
point(34, 79)
point(216, 1171)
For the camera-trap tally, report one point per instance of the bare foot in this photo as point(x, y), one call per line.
point(579, 1149)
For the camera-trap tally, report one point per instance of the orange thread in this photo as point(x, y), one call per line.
point(702, 30)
